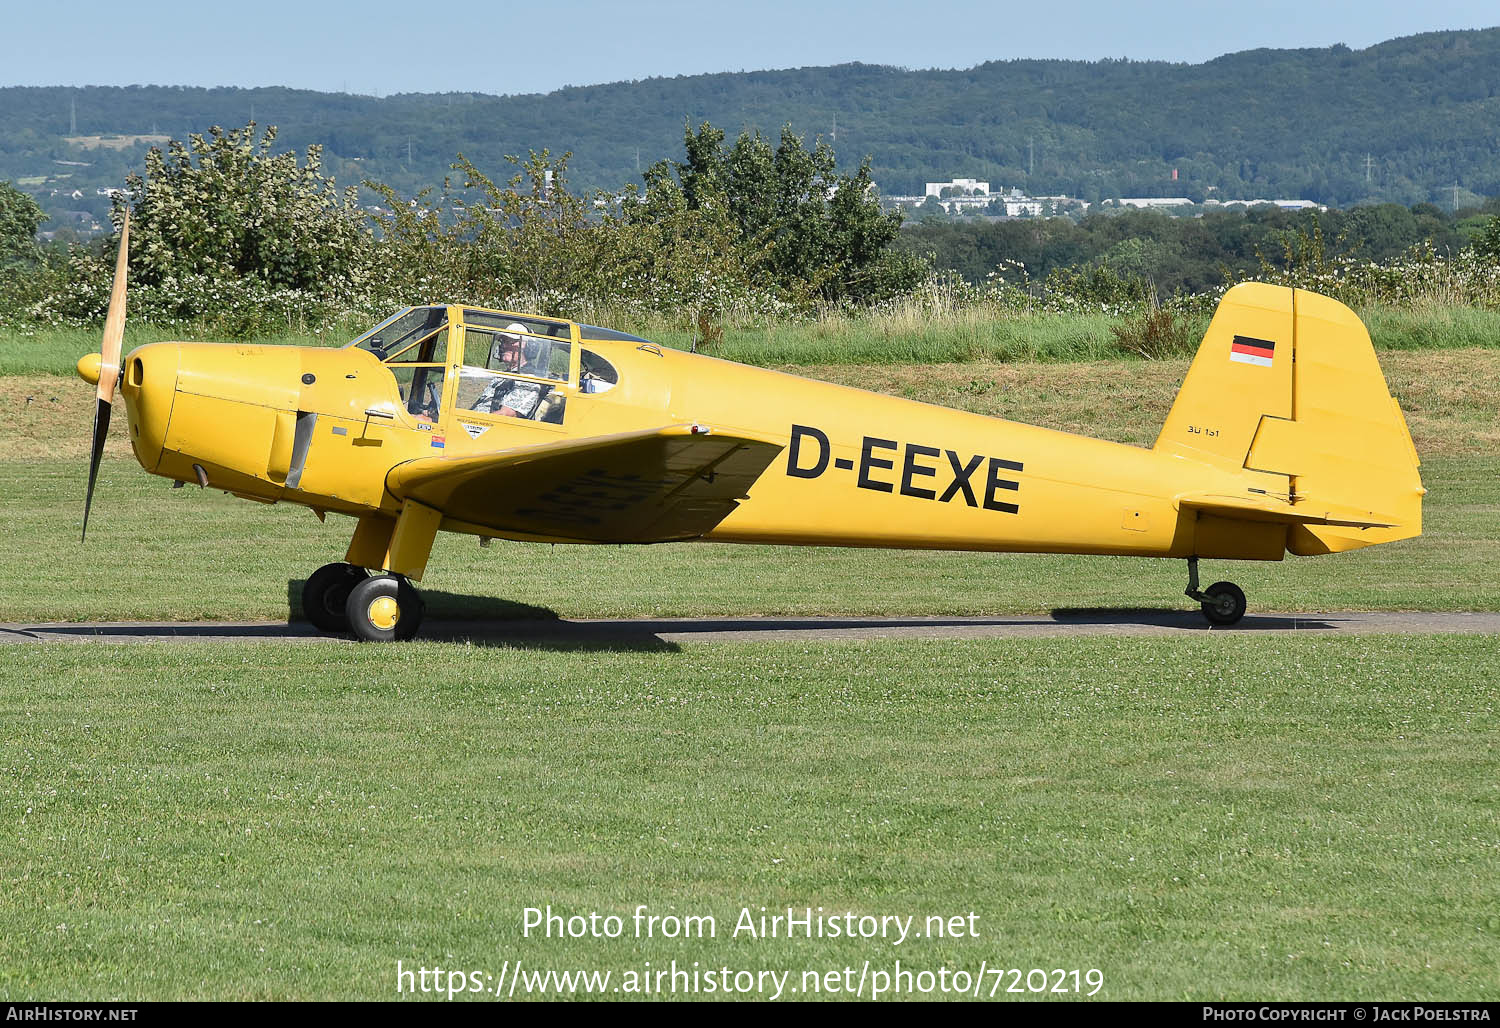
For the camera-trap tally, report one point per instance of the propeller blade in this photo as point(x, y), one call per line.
point(109, 367)
point(114, 321)
point(102, 410)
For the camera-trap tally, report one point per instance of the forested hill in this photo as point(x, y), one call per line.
point(1406, 120)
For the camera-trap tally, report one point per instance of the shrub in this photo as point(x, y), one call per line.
point(1155, 334)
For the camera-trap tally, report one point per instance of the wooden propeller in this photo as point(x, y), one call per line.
point(109, 366)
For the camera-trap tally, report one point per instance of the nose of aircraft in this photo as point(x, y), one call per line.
point(148, 382)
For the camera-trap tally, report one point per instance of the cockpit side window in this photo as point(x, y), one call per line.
point(531, 347)
point(418, 335)
point(486, 392)
point(421, 388)
point(413, 343)
point(595, 374)
point(515, 367)
point(587, 332)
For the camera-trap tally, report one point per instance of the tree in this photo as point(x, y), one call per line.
point(527, 234)
point(1487, 243)
point(226, 207)
point(531, 244)
point(24, 273)
point(521, 244)
point(19, 219)
point(672, 255)
point(802, 227)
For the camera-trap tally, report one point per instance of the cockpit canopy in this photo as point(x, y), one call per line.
point(512, 343)
point(516, 345)
point(513, 365)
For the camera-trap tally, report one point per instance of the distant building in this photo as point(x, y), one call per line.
point(1063, 203)
point(972, 197)
point(972, 204)
point(959, 187)
point(1149, 202)
point(1286, 205)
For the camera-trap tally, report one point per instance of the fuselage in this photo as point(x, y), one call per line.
point(866, 469)
point(323, 428)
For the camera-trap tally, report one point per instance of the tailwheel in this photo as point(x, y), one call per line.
point(325, 596)
point(1223, 603)
point(384, 608)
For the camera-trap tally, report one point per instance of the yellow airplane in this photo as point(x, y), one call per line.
point(453, 418)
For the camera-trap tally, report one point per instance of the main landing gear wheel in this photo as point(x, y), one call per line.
point(1223, 602)
point(384, 608)
point(325, 596)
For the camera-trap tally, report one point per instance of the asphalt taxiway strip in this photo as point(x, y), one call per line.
point(667, 631)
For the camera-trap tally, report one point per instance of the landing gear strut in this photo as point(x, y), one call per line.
point(1223, 602)
point(384, 608)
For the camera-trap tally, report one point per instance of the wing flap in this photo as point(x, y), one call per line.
point(655, 485)
point(1264, 507)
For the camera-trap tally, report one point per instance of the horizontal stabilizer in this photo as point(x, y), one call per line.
point(656, 485)
point(1264, 507)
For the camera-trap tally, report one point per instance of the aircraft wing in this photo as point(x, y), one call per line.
point(1265, 507)
point(656, 485)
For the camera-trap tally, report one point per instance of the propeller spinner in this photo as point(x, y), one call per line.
point(108, 366)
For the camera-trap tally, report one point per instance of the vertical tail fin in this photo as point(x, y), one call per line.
point(1286, 392)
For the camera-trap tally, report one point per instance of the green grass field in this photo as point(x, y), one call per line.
point(158, 554)
point(1211, 817)
point(189, 554)
point(1224, 817)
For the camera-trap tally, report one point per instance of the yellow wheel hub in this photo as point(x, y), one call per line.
point(383, 613)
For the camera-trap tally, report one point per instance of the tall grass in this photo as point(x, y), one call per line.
point(914, 331)
point(904, 336)
point(54, 350)
point(1432, 326)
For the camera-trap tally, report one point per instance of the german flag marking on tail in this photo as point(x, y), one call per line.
point(1248, 350)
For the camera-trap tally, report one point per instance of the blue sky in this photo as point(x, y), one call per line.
point(383, 46)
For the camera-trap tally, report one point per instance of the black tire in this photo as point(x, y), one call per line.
point(1223, 604)
point(325, 596)
point(384, 608)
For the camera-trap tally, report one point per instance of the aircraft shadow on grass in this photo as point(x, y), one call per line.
point(488, 620)
point(492, 621)
point(1158, 617)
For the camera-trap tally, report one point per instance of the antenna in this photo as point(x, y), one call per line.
point(1030, 156)
point(835, 135)
point(1368, 162)
point(72, 116)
